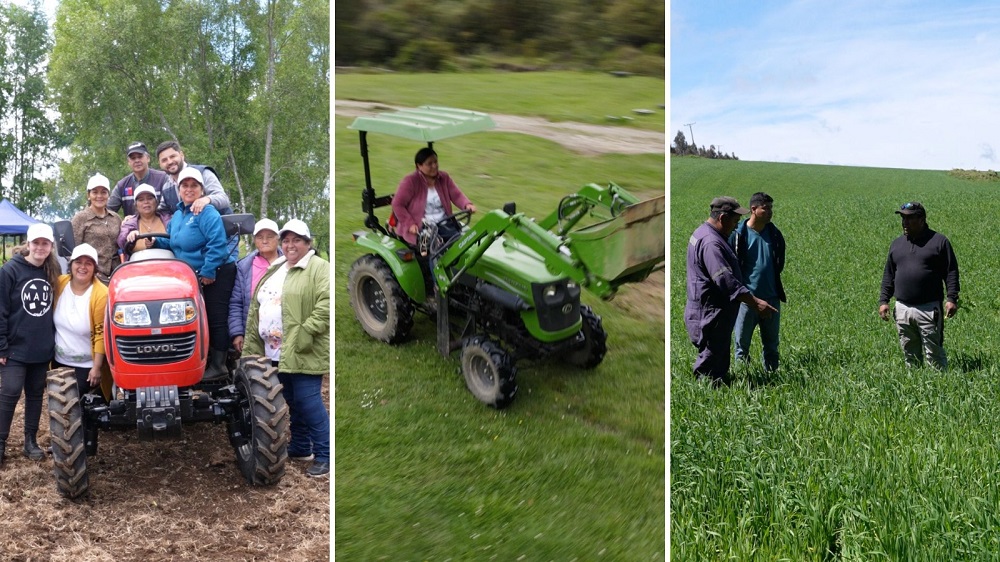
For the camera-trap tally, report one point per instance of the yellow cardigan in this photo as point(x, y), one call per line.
point(98, 302)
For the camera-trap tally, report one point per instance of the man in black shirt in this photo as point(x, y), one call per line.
point(921, 264)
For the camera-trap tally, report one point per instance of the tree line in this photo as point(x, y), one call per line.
point(680, 147)
point(242, 85)
point(407, 35)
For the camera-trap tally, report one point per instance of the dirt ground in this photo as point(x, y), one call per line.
point(185, 500)
point(165, 501)
point(578, 137)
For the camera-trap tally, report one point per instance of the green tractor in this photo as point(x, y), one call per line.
point(508, 287)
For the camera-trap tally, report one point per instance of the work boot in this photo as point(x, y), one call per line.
point(216, 366)
point(3, 451)
point(31, 448)
point(318, 469)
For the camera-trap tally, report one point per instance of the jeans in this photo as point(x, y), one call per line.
point(17, 377)
point(746, 321)
point(921, 334)
point(310, 420)
point(217, 306)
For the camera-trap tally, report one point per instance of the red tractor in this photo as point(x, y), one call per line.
point(156, 344)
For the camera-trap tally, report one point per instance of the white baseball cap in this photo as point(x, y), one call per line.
point(84, 250)
point(40, 230)
point(145, 188)
point(98, 180)
point(265, 224)
point(190, 172)
point(296, 226)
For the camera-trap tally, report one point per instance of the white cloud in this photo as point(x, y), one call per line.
point(847, 85)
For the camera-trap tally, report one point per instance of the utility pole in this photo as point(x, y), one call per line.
point(688, 125)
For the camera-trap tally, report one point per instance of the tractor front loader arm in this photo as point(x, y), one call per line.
point(473, 243)
point(574, 207)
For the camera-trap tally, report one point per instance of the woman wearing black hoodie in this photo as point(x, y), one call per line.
point(27, 334)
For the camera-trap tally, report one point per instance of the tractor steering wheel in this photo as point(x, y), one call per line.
point(461, 218)
point(130, 246)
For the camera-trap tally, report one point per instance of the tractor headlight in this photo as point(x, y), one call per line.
point(132, 315)
point(176, 312)
point(550, 292)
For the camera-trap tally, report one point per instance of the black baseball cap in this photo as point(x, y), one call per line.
point(136, 147)
point(728, 205)
point(911, 208)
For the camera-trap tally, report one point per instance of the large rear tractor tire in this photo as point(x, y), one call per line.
point(259, 432)
point(379, 303)
point(595, 341)
point(489, 372)
point(69, 457)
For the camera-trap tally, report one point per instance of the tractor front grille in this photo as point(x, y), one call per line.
point(155, 350)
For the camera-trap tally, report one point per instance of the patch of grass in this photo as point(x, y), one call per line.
point(843, 453)
point(584, 97)
point(574, 469)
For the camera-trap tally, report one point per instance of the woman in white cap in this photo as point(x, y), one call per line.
point(200, 241)
point(27, 333)
point(146, 220)
point(249, 270)
point(98, 226)
point(289, 323)
point(79, 319)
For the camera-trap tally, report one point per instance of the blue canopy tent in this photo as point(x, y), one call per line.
point(13, 222)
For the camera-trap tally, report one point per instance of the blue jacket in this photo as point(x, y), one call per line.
point(239, 302)
point(198, 240)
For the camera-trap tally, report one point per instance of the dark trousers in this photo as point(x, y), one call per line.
point(217, 306)
point(711, 332)
point(310, 420)
point(82, 373)
point(713, 355)
point(15, 378)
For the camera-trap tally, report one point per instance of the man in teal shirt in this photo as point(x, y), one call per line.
point(760, 249)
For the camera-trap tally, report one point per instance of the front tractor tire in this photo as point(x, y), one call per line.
point(69, 456)
point(380, 305)
point(489, 372)
point(259, 427)
point(590, 353)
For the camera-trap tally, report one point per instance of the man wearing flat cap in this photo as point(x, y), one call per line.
point(715, 290)
point(920, 268)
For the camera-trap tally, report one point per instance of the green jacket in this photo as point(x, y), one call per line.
point(305, 317)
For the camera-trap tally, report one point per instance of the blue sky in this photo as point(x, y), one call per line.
point(894, 84)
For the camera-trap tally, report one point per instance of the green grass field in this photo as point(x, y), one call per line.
point(843, 454)
point(575, 468)
point(584, 97)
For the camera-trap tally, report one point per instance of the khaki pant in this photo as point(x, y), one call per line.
point(921, 334)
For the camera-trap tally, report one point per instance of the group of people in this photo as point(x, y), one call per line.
point(734, 268)
point(273, 303)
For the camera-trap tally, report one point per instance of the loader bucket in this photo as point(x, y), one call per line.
point(626, 248)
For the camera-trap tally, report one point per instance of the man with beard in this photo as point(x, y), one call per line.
point(920, 266)
point(123, 195)
point(172, 161)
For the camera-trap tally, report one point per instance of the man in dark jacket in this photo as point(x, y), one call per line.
point(760, 248)
point(921, 264)
point(715, 289)
point(123, 194)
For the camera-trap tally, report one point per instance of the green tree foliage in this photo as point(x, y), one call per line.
point(28, 134)
point(242, 85)
point(452, 33)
